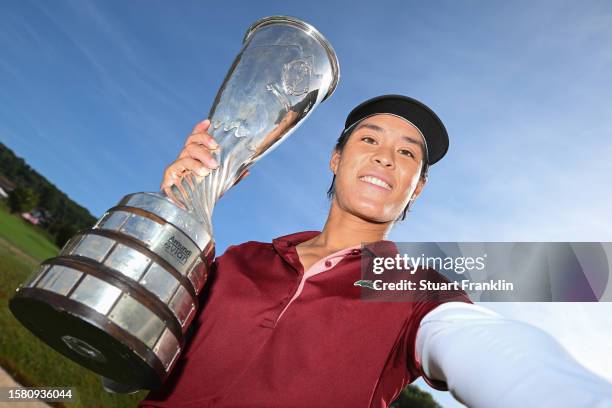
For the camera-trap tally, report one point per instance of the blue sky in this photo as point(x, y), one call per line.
point(98, 96)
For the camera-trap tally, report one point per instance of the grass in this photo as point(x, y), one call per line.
point(24, 356)
point(28, 238)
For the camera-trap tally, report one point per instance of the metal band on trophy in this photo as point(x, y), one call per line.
point(120, 296)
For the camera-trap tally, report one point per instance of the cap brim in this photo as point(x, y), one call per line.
point(419, 114)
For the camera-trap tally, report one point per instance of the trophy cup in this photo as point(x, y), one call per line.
point(120, 296)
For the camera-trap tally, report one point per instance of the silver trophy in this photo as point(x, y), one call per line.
point(121, 295)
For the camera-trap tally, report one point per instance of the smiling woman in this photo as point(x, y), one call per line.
point(283, 323)
point(382, 163)
point(411, 112)
point(289, 305)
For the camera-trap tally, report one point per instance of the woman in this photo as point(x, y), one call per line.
point(283, 324)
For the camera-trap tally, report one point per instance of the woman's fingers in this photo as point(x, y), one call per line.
point(201, 126)
point(200, 153)
point(202, 138)
point(178, 169)
point(195, 158)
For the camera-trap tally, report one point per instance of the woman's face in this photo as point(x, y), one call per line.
point(378, 171)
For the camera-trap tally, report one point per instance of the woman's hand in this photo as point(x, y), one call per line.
point(196, 158)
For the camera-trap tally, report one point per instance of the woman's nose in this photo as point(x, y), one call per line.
point(384, 159)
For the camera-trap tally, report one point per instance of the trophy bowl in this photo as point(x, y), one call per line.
point(120, 296)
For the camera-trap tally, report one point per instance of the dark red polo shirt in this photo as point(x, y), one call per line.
point(267, 337)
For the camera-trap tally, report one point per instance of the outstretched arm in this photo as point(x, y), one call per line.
point(488, 360)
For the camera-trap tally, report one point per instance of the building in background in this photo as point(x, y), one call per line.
point(6, 186)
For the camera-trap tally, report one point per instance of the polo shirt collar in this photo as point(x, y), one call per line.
point(293, 239)
point(285, 247)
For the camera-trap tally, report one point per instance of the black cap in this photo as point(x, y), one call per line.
point(419, 114)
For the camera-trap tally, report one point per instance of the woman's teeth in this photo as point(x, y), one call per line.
point(375, 181)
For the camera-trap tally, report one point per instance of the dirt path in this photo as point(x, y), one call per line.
point(7, 381)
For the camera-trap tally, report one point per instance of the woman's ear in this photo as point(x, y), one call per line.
point(419, 188)
point(334, 161)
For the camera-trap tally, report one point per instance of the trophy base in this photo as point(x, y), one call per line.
point(120, 296)
point(87, 338)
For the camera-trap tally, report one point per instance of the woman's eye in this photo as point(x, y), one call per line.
point(406, 152)
point(368, 139)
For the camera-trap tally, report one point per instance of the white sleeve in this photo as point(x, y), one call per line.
point(488, 360)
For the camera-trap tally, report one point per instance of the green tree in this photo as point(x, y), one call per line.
point(22, 200)
point(412, 397)
point(64, 233)
point(60, 208)
point(50, 198)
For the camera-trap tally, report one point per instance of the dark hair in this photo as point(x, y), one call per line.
point(344, 137)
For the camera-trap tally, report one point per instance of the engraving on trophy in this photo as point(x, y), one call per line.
point(83, 348)
point(296, 76)
point(177, 250)
point(290, 80)
point(295, 81)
